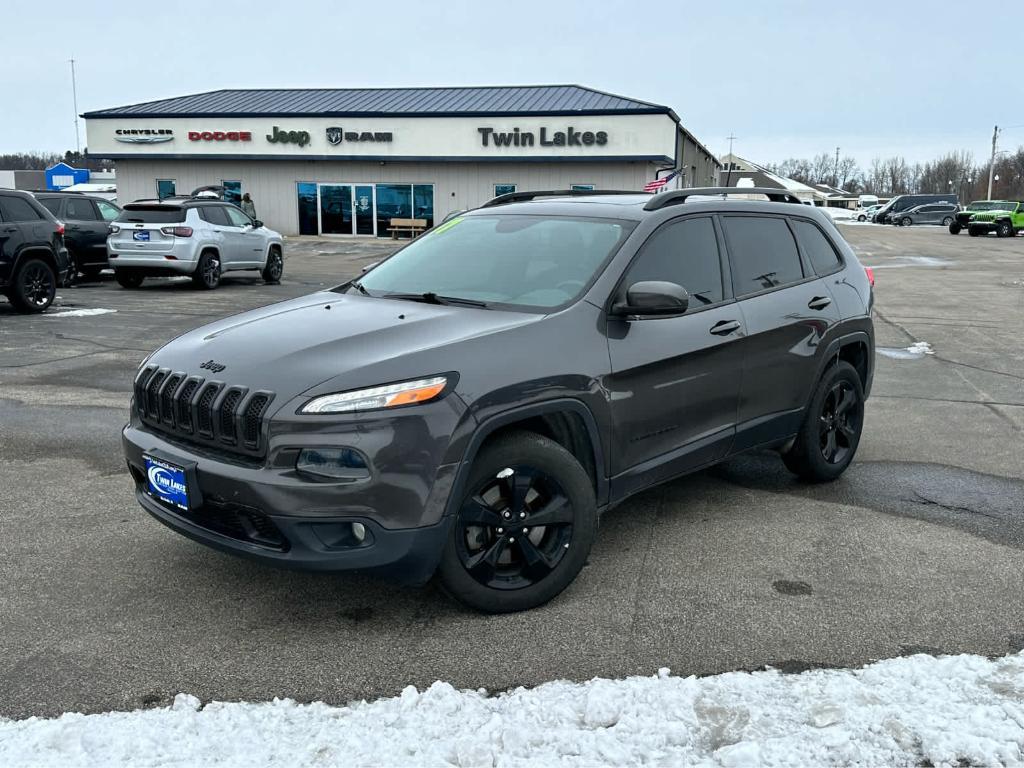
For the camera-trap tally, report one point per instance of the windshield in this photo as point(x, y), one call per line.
point(990, 205)
point(528, 262)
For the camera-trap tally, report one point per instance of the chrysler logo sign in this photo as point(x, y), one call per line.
point(144, 135)
point(335, 135)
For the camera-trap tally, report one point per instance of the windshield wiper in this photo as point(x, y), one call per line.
point(359, 287)
point(433, 298)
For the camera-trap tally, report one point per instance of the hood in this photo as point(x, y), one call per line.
point(291, 347)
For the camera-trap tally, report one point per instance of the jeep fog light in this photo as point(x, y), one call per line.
point(335, 463)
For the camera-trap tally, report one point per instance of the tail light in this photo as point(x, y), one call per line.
point(60, 227)
point(114, 229)
point(177, 231)
point(871, 275)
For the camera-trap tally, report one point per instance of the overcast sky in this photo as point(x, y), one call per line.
point(787, 78)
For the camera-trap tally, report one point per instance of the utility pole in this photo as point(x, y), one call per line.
point(728, 174)
point(835, 176)
point(992, 162)
point(74, 98)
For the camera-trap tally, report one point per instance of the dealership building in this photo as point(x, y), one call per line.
point(347, 161)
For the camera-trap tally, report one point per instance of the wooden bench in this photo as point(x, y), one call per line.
point(412, 226)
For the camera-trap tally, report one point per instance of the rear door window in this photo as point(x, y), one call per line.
point(52, 204)
point(215, 215)
point(684, 252)
point(816, 247)
point(108, 211)
point(80, 210)
point(17, 209)
point(762, 253)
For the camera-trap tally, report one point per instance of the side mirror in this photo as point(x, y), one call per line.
point(256, 223)
point(653, 298)
point(368, 267)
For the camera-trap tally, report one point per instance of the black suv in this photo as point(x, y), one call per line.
point(472, 404)
point(87, 223)
point(33, 257)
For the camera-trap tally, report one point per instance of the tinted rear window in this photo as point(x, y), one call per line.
point(817, 247)
point(763, 253)
point(52, 204)
point(152, 214)
point(18, 209)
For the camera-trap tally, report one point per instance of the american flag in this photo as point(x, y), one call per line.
point(656, 184)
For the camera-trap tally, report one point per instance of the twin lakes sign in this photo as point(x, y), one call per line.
point(519, 138)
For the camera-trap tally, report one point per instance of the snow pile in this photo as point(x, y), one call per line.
point(839, 213)
point(915, 351)
point(79, 312)
point(919, 710)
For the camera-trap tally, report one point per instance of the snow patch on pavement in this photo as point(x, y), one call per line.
point(915, 351)
point(918, 710)
point(79, 312)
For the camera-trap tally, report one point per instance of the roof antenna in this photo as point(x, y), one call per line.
point(728, 171)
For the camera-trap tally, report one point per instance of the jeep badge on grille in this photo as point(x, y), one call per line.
point(210, 365)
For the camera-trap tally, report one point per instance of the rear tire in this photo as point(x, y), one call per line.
point(34, 286)
point(274, 268)
point(905, 221)
point(495, 559)
point(830, 433)
point(947, 222)
point(973, 232)
point(128, 278)
point(954, 228)
point(207, 274)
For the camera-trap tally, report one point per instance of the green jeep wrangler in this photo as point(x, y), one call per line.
point(961, 218)
point(1005, 222)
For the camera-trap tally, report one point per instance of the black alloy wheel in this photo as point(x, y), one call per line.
point(207, 274)
point(274, 268)
point(35, 286)
point(526, 521)
point(840, 422)
point(515, 528)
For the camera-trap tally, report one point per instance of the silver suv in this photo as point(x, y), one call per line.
point(200, 238)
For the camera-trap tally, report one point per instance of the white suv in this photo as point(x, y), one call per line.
point(201, 238)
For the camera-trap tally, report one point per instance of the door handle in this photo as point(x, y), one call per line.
point(819, 302)
point(725, 327)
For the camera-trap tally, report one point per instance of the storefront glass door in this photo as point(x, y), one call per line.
point(336, 209)
point(364, 209)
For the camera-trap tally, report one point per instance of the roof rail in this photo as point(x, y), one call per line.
point(520, 197)
point(54, 191)
point(677, 196)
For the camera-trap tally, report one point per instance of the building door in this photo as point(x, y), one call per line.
point(336, 209)
point(364, 209)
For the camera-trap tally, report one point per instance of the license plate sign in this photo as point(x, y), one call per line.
point(166, 482)
point(142, 235)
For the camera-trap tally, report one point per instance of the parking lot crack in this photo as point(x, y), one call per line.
point(924, 500)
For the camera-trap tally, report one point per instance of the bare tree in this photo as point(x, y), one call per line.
point(848, 170)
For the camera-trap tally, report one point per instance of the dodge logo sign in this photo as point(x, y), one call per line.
point(220, 136)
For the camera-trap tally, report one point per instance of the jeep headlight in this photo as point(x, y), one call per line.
point(374, 398)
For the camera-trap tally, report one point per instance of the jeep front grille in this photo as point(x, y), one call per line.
point(201, 411)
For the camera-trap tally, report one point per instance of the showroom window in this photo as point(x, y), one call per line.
point(583, 187)
point(232, 191)
point(164, 188)
point(504, 189)
point(309, 221)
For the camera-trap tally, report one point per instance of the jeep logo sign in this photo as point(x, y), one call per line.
point(288, 137)
point(335, 135)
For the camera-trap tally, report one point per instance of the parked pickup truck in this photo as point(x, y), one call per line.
point(1006, 220)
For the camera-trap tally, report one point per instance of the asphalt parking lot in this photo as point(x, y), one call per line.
point(920, 546)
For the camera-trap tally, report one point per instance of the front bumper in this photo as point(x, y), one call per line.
point(982, 226)
point(263, 508)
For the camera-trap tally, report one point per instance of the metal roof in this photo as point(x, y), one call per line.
point(369, 102)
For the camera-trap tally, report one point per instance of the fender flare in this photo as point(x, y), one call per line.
point(35, 250)
point(832, 354)
point(486, 428)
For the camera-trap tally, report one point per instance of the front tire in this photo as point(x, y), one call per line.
point(525, 525)
point(1004, 229)
point(128, 278)
point(906, 221)
point(207, 274)
point(830, 434)
point(34, 286)
point(274, 268)
point(954, 228)
point(973, 232)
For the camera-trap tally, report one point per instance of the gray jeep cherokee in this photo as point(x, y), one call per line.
point(471, 405)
